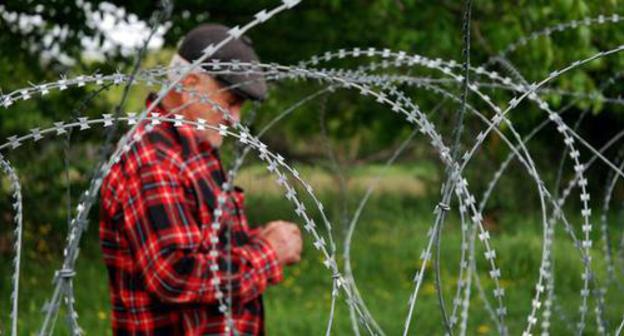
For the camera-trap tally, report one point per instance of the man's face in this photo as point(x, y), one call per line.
point(206, 85)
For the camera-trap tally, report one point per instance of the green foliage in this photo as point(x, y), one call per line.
point(385, 255)
point(359, 129)
point(433, 29)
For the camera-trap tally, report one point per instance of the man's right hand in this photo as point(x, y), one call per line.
point(285, 239)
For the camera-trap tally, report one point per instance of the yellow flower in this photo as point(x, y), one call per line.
point(289, 282)
point(101, 315)
point(429, 289)
point(505, 283)
point(483, 329)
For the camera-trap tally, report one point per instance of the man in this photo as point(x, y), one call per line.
point(171, 263)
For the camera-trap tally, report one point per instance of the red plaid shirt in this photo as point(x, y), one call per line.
point(155, 229)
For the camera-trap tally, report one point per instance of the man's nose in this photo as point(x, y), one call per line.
point(235, 112)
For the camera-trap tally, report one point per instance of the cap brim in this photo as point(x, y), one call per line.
point(248, 86)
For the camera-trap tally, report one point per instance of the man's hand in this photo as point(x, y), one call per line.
point(285, 239)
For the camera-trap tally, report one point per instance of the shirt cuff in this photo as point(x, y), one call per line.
point(272, 268)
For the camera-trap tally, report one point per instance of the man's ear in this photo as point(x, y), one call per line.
point(189, 83)
point(191, 80)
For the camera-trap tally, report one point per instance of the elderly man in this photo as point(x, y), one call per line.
point(173, 262)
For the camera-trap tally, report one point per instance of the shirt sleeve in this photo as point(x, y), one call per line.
point(166, 240)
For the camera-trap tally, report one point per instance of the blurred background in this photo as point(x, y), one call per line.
point(340, 142)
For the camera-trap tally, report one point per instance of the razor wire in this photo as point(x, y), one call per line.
point(384, 90)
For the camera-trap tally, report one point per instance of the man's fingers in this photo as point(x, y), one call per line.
point(271, 225)
point(288, 235)
point(295, 229)
point(295, 259)
point(274, 224)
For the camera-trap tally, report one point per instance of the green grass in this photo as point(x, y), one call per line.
point(385, 255)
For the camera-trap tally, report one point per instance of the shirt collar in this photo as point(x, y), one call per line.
point(195, 139)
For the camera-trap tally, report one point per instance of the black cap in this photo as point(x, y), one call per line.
point(240, 49)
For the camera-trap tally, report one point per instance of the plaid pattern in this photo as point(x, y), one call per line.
point(155, 233)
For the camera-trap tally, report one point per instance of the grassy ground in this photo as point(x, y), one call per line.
point(385, 254)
